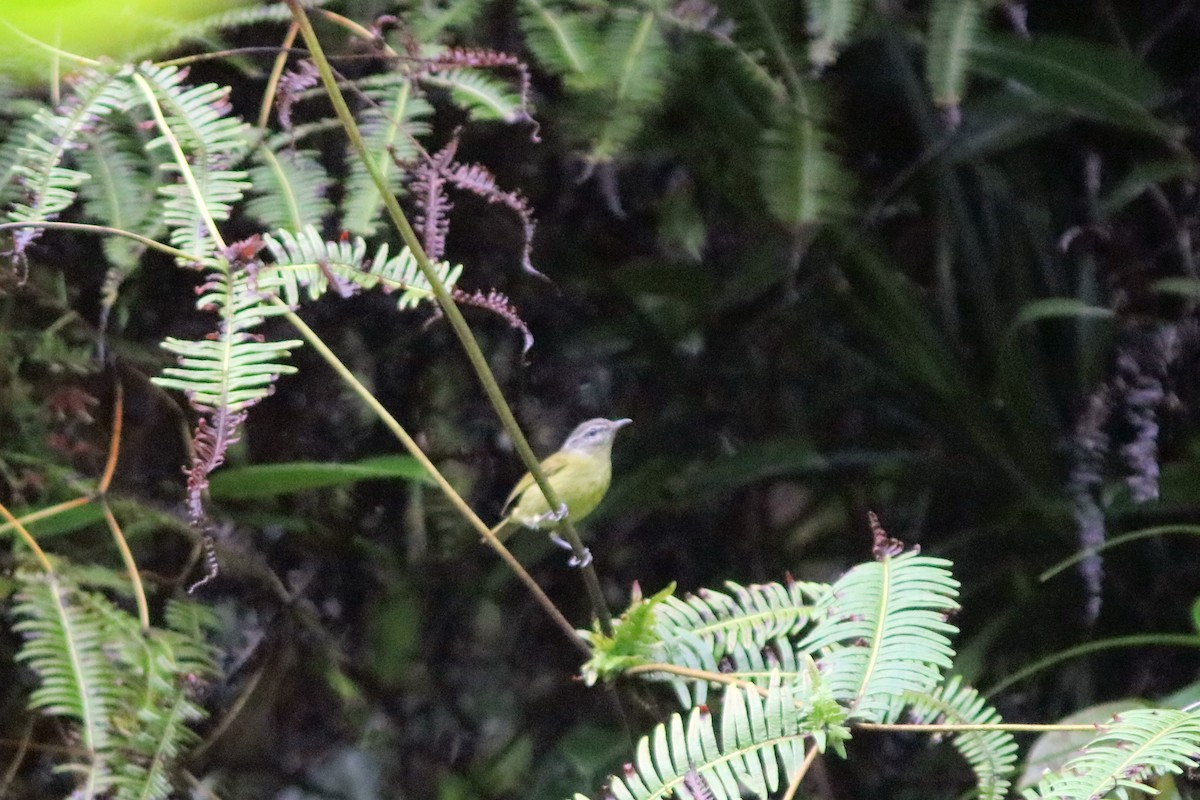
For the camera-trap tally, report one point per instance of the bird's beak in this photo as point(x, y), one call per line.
point(621, 423)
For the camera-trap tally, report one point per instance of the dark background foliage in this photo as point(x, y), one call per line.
point(783, 380)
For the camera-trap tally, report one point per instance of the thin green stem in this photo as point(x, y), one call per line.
point(1145, 533)
point(102, 229)
point(181, 161)
point(731, 679)
point(1141, 640)
point(453, 315)
point(1013, 727)
point(415, 451)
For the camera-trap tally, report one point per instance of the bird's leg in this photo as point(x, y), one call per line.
point(560, 541)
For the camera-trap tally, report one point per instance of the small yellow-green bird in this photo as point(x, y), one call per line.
point(579, 472)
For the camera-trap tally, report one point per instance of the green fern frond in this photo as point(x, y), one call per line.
point(632, 641)
point(563, 42)
point(128, 688)
point(953, 28)
point(197, 119)
point(760, 744)
point(830, 24)
point(164, 713)
point(483, 96)
point(701, 630)
point(748, 616)
point(640, 57)
point(47, 186)
point(991, 754)
point(429, 21)
point(10, 155)
point(66, 646)
point(881, 631)
point(802, 180)
point(290, 188)
point(120, 193)
point(1134, 747)
point(304, 263)
point(390, 128)
point(235, 369)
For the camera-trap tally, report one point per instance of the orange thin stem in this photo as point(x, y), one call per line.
point(139, 591)
point(114, 443)
point(29, 540)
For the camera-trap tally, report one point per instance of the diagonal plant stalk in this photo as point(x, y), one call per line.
point(310, 336)
point(110, 468)
point(453, 315)
point(181, 160)
point(38, 552)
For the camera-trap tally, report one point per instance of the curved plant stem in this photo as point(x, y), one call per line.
point(28, 538)
point(110, 468)
point(264, 111)
point(139, 592)
point(1141, 640)
point(453, 315)
point(415, 451)
point(182, 162)
point(733, 680)
point(801, 771)
point(1145, 533)
point(104, 229)
point(696, 674)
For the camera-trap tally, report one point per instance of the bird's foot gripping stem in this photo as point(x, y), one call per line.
point(558, 514)
point(573, 561)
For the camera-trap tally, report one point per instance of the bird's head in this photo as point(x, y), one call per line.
point(595, 436)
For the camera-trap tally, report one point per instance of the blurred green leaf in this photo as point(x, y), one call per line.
point(394, 633)
point(270, 480)
point(1188, 288)
point(1081, 78)
point(1141, 177)
point(67, 521)
point(1052, 750)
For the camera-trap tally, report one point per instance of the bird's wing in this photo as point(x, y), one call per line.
point(551, 466)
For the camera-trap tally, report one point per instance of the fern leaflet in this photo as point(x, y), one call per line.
point(761, 741)
point(953, 26)
point(991, 754)
point(882, 631)
point(290, 188)
point(1135, 746)
point(390, 128)
point(483, 96)
point(49, 187)
point(64, 644)
point(304, 263)
point(802, 180)
point(205, 140)
point(704, 628)
point(563, 42)
point(636, 86)
point(236, 368)
point(830, 23)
